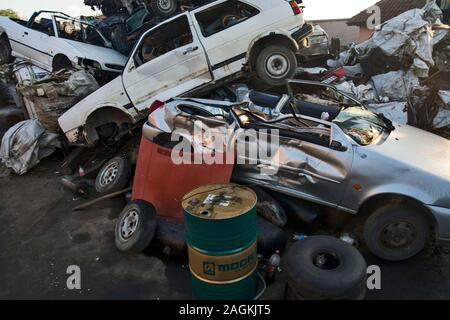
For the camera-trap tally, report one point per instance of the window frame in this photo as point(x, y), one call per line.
point(138, 61)
point(202, 29)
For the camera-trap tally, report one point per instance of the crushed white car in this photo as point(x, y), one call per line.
point(54, 41)
point(196, 49)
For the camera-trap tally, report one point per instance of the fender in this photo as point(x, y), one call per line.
point(400, 190)
point(277, 32)
point(121, 110)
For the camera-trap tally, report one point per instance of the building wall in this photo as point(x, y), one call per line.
point(364, 34)
point(339, 29)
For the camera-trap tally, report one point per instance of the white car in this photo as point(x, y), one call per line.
point(198, 48)
point(54, 40)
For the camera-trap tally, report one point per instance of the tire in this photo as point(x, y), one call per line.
point(5, 51)
point(396, 232)
point(135, 227)
point(164, 8)
point(270, 238)
point(114, 176)
point(275, 65)
point(343, 276)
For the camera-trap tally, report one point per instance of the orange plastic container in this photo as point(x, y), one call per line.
point(164, 184)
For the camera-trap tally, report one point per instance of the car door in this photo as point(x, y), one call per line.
point(35, 42)
point(227, 29)
point(168, 61)
point(311, 169)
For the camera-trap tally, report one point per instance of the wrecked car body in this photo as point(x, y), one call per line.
point(160, 8)
point(194, 50)
point(51, 96)
point(342, 156)
point(54, 41)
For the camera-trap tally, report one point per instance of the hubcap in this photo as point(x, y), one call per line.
point(398, 235)
point(109, 174)
point(278, 65)
point(165, 5)
point(128, 225)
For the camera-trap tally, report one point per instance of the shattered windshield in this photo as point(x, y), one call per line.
point(71, 29)
point(361, 125)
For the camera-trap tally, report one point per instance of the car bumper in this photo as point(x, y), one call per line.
point(303, 32)
point(442, 216)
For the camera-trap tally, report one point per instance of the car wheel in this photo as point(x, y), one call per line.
point(136, 227)
point(396, 232)
point(5, 51)
point(276, 64)
point(325, 268)
point(113, 176)
point(164, 8)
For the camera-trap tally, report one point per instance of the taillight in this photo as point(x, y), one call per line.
point(156, 105)
point(295, 7)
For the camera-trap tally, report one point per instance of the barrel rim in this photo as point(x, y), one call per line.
point(224, 185)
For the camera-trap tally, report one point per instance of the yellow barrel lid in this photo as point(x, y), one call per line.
point(219, 201)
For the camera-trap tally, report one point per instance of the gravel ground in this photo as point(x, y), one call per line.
point(40, 236)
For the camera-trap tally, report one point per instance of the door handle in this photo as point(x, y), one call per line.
point(25, 33)
point(189, 50)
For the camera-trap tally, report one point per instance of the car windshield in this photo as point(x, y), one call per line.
point(361, 125)
point(72, 29)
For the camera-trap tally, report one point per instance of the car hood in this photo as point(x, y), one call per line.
point(418, 149)
point(96, 53)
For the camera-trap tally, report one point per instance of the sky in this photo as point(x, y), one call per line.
point(315, 9)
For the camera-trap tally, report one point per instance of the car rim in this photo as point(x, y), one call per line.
point(109, 174)
point(128, 224)
point(165, 5)
point(326, 260)
point(398, 235)
point(278, 66)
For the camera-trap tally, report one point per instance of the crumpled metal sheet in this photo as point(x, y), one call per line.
point(405, 39)
point(395, 85)
point(364, 92)
point(394, 111)
point(442, 119)
point(26, 144)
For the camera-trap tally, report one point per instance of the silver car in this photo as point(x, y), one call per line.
point(337, 154)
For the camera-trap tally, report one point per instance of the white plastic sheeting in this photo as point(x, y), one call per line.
point(26, 144)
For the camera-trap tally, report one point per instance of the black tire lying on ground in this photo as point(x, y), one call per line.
point(164, 8)
point(5, 50)
point(276, 64)
point(396, 232)
point(325, 268)
point(269, 208)
point(270, 238)
point(114, 176)
point(136, 227)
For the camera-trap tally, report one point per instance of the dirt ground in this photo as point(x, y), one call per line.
point(40, 236)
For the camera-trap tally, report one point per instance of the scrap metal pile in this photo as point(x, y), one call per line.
point(402, 71)
point(314, 144)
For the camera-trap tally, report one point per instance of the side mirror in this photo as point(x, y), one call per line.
point(338, 146)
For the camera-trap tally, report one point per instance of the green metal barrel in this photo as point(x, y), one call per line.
point(222, 241)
